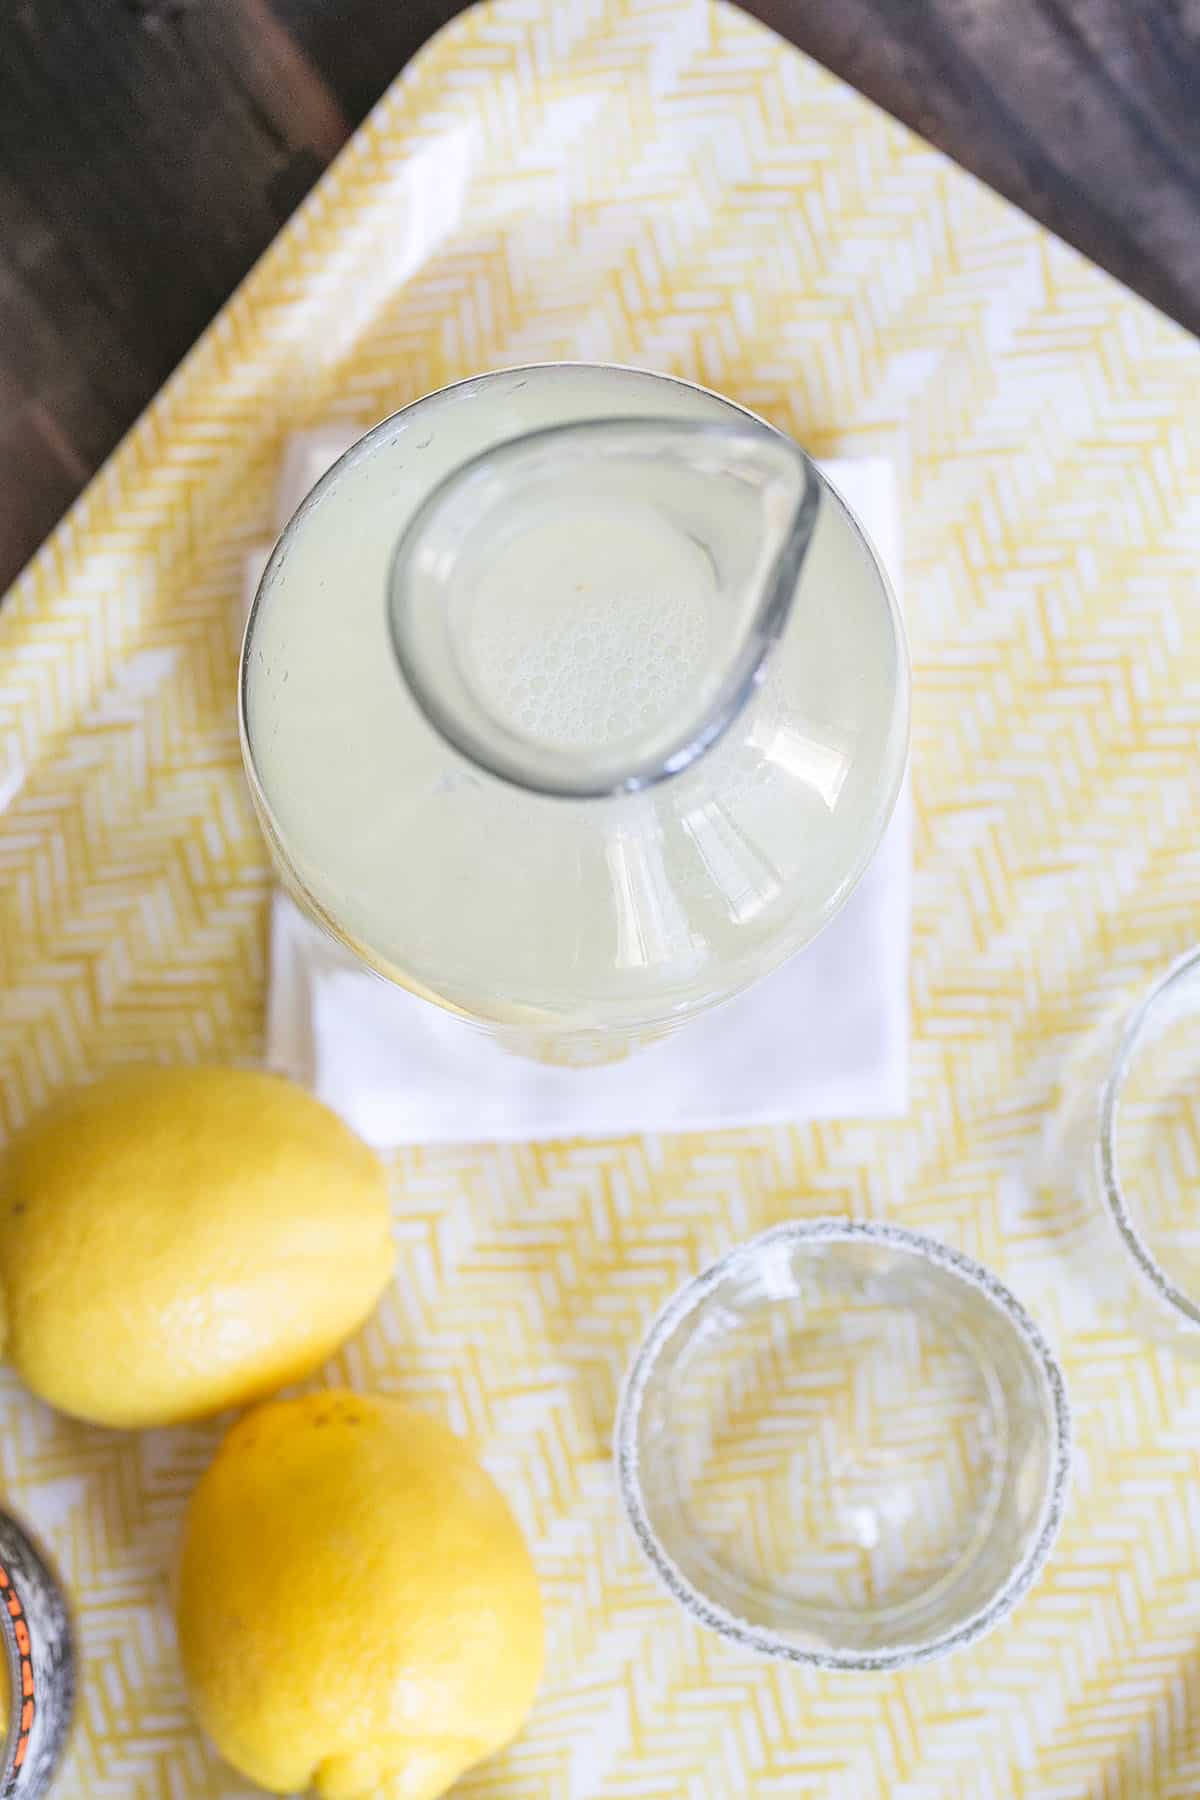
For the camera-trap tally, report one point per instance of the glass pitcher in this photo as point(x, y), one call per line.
point(574, 700)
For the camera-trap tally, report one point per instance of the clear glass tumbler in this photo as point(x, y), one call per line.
point(846, 1445)
point(1147, 1150)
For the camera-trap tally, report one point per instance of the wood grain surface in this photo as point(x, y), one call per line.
point(150, 149)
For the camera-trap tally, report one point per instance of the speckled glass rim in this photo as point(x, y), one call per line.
point(801, 1234)
point(1183, 1307)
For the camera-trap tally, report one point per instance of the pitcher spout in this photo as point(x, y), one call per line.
point(583, 610)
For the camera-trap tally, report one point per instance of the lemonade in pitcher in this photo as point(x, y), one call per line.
point(574, 700)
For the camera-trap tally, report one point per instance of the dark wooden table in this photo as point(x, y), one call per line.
point(150, 149)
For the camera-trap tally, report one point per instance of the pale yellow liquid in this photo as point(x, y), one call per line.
point(527, 910)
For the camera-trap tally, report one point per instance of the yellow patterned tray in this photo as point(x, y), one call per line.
point(670, 185)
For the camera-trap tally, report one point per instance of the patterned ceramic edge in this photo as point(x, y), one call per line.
point(767, 1643)
point(40, 1660)
point(1184, 1310)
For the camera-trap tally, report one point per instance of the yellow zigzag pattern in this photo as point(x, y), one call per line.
point(664, 184)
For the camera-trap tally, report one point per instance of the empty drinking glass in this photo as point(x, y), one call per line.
point(845, 1444)
point(1147, 1148)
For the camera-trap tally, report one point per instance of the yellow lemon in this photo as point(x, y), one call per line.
point(358, 1611)
point(173, 1241)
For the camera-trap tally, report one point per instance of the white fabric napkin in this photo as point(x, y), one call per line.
point(402, 1071)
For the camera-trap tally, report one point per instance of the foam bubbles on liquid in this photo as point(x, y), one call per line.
point(592, 627)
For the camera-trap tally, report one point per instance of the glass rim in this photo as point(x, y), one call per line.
point(1185, 1310)
point(805, 1233)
